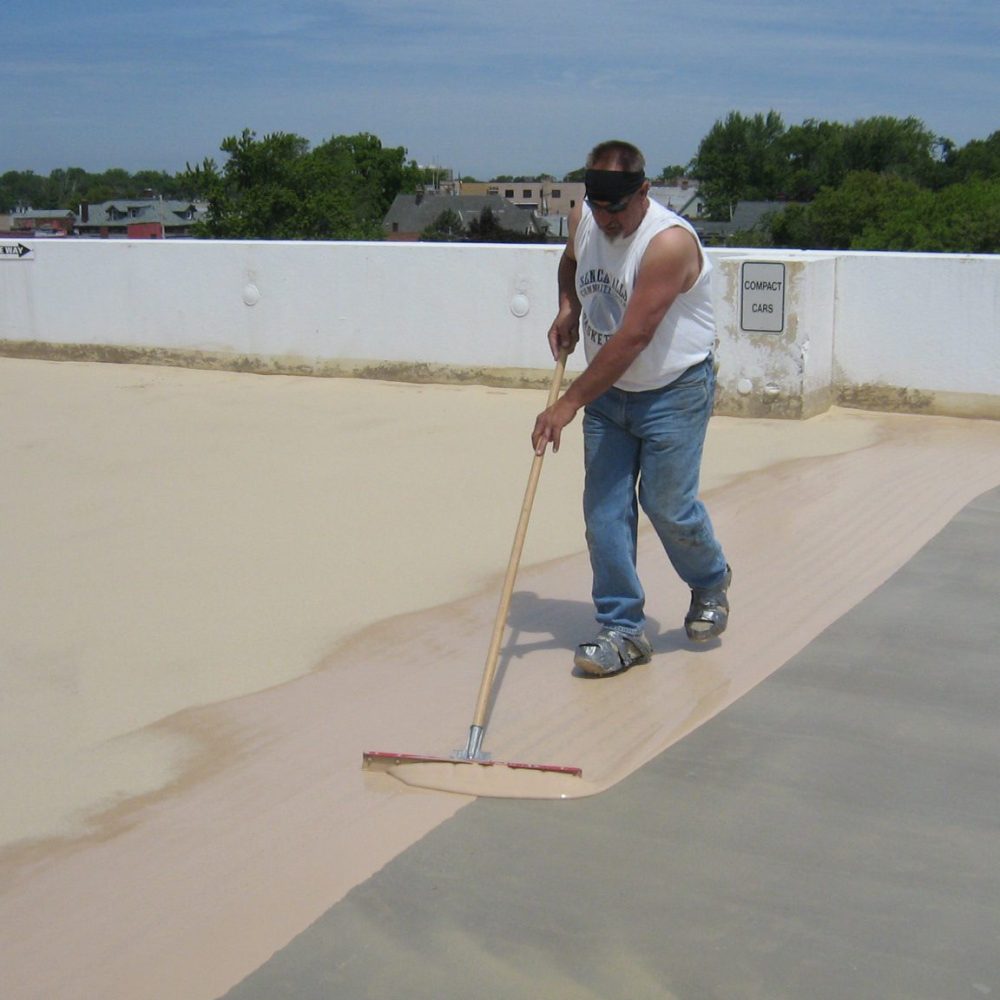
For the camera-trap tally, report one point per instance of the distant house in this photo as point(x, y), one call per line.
point(747, 216)
point(42, 222)
point(139, 218)
point(556, 227)
point(680, 197)
point(410, 214)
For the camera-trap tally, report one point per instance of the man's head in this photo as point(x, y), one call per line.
point(617, 189)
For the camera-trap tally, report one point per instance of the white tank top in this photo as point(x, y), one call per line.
point(605, 276)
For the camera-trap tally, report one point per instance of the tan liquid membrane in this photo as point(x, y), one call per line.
point(219, 590)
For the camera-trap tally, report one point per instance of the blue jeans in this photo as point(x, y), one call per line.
point(644, 449)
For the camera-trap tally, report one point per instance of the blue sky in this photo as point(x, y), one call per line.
point(515, 87)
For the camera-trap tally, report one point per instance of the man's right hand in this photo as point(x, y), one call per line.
point(549, 425)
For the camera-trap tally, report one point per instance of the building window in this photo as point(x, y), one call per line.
point(526, 193)
point(557, 192)
point(508, 193)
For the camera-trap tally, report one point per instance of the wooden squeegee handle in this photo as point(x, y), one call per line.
point(493, 654)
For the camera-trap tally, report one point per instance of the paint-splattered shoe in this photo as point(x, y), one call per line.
point(612, 652)
point(709, 612)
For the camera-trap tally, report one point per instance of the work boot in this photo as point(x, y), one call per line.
point(709, 612)
point(612, 652)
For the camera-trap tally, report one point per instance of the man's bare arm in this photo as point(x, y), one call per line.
point(565, 329)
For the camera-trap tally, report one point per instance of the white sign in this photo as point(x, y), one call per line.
point(762, 297)
point(15, 251)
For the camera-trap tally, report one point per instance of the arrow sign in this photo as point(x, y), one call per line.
point(14, 250)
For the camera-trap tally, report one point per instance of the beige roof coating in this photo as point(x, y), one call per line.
point(220, 589)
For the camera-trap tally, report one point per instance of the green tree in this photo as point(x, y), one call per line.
point(321, 207)
point(978, 158)
point(372, 173)
point(755, 157)
point(814, 156)
point(970, 216)
point(740, 158)
point(838, 216)
point(254, 196)
point(671, 172)
point(111, 184)
point(158, 183)
point(276, 188)
point(488, 229)
point(22, 188)
point(446, 228)
point(65, 188)
point(116, 179)
point(962, 218)
point(901, 146)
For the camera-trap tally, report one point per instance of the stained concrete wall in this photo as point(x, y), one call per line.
point(887, 331)
point(781, 366)
point(919, 332)
point(418, 311)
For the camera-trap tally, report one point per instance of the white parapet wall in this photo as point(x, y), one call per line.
point(919, 332)
point(797, 330)
point(423, 311)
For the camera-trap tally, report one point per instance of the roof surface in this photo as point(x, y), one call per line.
point(832, 835)
point(137, 210)
point(411, 215)
point(807, 808)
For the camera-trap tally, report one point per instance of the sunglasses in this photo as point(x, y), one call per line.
point(615, 207)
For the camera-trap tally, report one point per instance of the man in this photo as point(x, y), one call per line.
point(634, 277)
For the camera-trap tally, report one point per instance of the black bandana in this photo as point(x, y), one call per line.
point(612, 185)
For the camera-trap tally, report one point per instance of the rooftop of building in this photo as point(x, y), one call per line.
point(413, 213)
point(222, 588)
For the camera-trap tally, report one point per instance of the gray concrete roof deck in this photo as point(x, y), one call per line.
point(835, 834)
